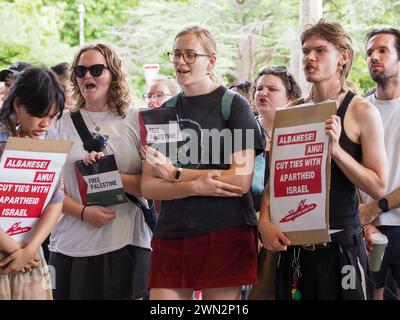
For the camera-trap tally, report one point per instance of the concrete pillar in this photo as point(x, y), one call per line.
point(310, 11)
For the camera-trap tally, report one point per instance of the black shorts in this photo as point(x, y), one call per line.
point(337, 271)
point(121, 274)
point(391, 258)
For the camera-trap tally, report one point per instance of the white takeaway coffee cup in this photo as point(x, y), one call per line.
point(379, 242)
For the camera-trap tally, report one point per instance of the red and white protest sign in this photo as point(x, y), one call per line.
point(29, 172)
point(300, 174)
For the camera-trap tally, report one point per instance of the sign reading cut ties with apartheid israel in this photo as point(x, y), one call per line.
point(29, 172)
point(300, 173)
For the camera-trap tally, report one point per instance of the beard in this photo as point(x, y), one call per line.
point(382, 79)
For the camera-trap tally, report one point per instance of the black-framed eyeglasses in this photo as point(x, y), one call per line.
point(157, 95)
point(188, 57)
point(95, 70)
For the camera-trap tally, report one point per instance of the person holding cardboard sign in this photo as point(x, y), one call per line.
point(35, 101)
point(321, 271)
point(101, 252)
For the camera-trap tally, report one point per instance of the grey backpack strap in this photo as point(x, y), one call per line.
point(171, 103)
point(226, 103)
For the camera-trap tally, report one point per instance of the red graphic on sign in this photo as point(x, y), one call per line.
point(298, 176)
point(16, 229)
point(302, 208)
point(21, 163)
point(296, 138)
point(314, 148)
point(44, 176)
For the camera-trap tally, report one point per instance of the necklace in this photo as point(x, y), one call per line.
point(96, 125)
point(328, 99)
point(267, 134)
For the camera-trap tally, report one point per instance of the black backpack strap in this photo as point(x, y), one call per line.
point(262, 133)
point(89, 144)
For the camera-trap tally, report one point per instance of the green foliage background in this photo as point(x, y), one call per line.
point(250, 33)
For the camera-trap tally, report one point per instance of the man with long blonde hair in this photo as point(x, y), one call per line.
point(358, 161)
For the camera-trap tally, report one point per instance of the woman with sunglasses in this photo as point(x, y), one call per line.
point(34, 102)
point(205, 236)
point(160, 90)
point(101, 252)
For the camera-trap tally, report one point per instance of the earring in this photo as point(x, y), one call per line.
point(18, 129)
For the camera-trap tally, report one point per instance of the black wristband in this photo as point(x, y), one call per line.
point(83, 210)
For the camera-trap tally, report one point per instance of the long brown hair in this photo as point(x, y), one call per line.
point(118, 94)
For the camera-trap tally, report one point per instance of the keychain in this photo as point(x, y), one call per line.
point(296, 294)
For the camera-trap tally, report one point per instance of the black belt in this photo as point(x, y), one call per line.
point(313, 247)
point(351, 237)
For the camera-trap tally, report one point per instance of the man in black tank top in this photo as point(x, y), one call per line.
point(338, 269)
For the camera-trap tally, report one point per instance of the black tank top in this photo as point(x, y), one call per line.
point(343, 200)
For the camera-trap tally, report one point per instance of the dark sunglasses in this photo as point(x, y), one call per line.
point(95, 70)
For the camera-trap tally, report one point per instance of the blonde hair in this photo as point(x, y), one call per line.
point(206, 40)
point(334, 33)
point(118, 94)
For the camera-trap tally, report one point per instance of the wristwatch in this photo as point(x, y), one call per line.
point(178, 174)
point(383, 204)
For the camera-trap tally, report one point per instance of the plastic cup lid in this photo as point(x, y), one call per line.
point(379, 238)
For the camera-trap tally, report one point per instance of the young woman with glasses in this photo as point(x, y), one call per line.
point(101, 252)
point(160, 90)
point(205, 237)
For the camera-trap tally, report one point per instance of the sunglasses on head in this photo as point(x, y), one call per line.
point(95, 70)
point(280, 69)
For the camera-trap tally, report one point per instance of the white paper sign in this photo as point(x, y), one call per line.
point(27, 182)
point(298, 177)
point(163, 133)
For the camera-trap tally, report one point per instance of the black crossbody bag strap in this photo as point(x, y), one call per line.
point(89, 144)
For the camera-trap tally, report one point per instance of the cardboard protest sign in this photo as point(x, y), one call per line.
point(100, 183)
point(29, 172)
point(300, 173)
